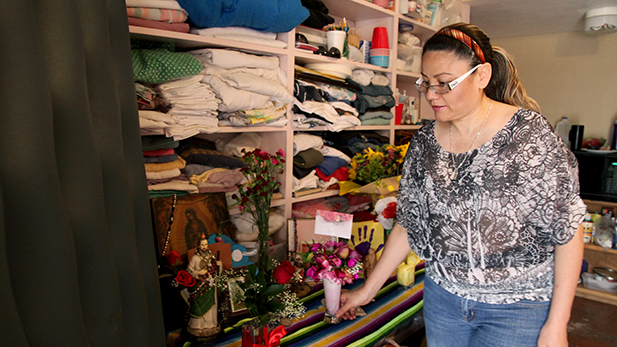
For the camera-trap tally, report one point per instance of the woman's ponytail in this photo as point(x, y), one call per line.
point(505, 85)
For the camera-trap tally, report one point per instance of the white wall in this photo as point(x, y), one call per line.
point(570, 74)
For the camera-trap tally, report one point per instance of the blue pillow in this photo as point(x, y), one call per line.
point(264, 15)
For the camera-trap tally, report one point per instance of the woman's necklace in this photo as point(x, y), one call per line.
point(455, 172)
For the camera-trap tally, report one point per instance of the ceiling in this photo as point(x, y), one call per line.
point(508, 18)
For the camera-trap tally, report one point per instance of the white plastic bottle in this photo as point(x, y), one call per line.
point(563, 129)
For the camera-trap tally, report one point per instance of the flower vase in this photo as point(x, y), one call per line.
point(332, 292)
point(263, 254)
point(263, 238)
point(252, 333)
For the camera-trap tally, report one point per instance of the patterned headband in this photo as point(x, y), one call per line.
point(464, 38)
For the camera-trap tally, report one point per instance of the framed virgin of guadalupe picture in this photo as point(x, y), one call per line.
point(180, 221)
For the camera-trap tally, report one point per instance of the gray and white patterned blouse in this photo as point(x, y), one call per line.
point(489, 235)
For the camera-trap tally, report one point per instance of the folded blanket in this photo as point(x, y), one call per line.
point(171, 4)
point(161, 159)
point(196, 169)
point(204, 176)
point(255, 40)
point(211, 158)
point(176, 185)
point(270, 116)
point(178, 27)
point(151, 143)
point(304, 141)
point(333, 152)
point(240, 31)
point(308, 158)
point(179, 163)
point(331, 164)
point(157, 14)
point(308, 181)
point(160, 65)
point(229, 59)
point(154, 119)
point(158, 152)
point(224, 177)
point(341, 174)
point(163, 174)
point(207, 187)
point(264, 15)
point(376, 114)
point(376, 121)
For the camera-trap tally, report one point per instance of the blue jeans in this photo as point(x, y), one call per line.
point(452, 321)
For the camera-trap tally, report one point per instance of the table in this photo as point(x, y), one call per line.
point(393, 306)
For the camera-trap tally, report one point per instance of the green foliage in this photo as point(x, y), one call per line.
point(261, 292)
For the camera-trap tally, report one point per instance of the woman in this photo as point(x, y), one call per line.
point(489, 196)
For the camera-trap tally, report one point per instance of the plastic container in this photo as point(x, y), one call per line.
point(563, 129)
point(597, 282)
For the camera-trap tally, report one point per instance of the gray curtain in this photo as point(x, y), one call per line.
point(77, 260)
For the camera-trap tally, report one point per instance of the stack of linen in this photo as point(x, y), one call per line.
point(171, 96)
point(158, 14)
point(374, 97)
point(164, 167)
point(209, 169)
point(323, 105)
point(317, 165)
point(251, 88)
point(193, 107)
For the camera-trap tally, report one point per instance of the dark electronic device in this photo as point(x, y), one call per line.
point(597, 173)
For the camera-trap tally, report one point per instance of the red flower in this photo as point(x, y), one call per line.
point(390, 210)
point(284, 272)
point(185, 278)
point(173, 258)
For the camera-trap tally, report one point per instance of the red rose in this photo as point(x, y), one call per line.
point(173, 258)
point(283, 273)
point(390, 211)
point(185, 278)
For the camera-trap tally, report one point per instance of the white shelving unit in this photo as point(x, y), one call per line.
point(362, 15)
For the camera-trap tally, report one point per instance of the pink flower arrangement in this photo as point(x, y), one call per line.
point(334, 261)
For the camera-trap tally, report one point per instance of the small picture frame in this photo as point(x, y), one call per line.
point(301, 233)
point(235, 295)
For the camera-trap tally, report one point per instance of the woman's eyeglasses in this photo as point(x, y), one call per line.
point(423, 86)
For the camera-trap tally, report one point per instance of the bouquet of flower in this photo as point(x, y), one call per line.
point(334, 261)
point(255, 196)
point(267, 294)
point(372, 165)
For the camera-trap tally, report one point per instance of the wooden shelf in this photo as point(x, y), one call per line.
point(407, 76)
point(600, 249)
point(186, 41)
point(357, 10)
point(303, 57)
point(596, 295)
point(324, 194)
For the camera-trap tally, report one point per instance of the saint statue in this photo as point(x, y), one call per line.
point(204, 267)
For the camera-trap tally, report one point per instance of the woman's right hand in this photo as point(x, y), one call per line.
point(350, 300)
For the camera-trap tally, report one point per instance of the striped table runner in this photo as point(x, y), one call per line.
point(393, 306)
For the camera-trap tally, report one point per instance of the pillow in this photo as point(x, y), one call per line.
point(305, 141)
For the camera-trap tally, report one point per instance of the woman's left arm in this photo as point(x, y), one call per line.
point(568, 262)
